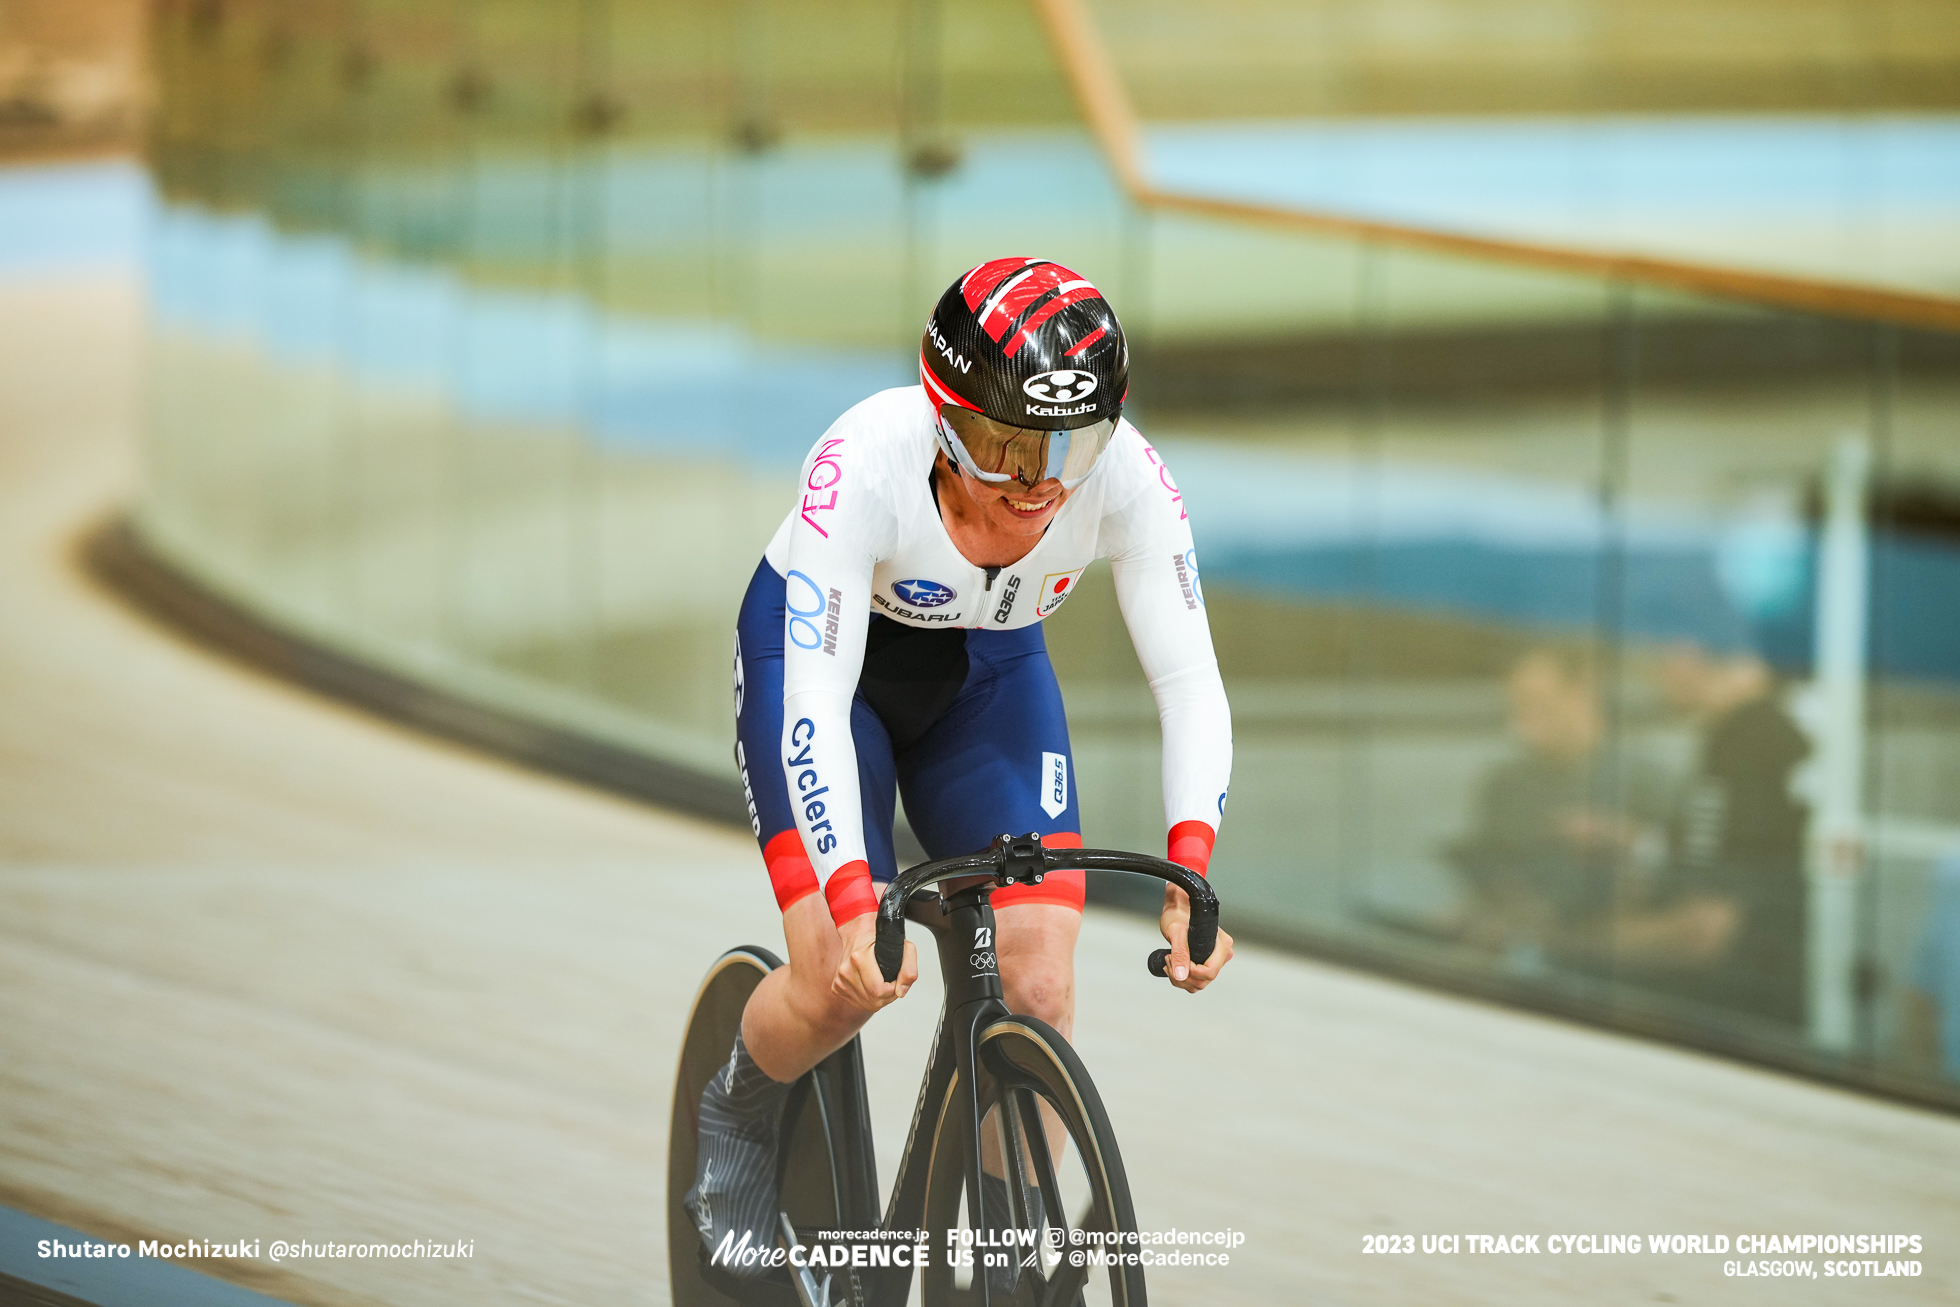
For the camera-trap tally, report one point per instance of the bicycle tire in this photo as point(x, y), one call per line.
point(1018, 1060)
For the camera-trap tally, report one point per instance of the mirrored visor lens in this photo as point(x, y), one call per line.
point(1017, 453)
point(1071, 454)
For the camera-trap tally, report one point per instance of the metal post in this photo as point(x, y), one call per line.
point(1836, 853)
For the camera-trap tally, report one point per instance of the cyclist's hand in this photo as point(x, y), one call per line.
point(858, 980)
point(1183, 972)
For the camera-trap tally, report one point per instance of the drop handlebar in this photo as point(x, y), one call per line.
point(1024, 860)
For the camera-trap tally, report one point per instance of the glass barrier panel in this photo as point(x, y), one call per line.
point(1740, 423)
point(1481, 561)
point(1908, 977)
point(1589, 644)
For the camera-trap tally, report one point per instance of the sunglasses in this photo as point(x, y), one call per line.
point(996, 452)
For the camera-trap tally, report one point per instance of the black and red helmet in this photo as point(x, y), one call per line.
point(1027, 343)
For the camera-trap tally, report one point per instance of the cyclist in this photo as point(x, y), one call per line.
point(890, 642)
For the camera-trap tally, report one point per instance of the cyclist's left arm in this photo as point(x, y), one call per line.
point(1148, 536)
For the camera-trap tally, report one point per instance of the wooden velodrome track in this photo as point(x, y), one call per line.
point(271, 969)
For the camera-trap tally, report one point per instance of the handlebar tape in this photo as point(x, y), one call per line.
point(1201, 938)
point(890, 948)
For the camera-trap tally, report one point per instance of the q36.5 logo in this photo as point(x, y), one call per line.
point(1062, 386)
point(924, 594)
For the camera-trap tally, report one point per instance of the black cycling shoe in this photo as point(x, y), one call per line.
point(733, 1202)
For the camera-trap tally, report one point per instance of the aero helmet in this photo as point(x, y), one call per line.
point(1027, 369)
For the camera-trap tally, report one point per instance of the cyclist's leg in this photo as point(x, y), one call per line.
point(998, 761)
point(1036, 950)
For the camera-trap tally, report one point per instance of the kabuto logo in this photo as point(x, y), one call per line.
point(924, 594)
point(1062, 386)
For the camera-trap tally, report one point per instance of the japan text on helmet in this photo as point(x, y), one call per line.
point(1027, 343)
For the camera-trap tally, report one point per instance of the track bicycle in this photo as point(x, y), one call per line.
point(1010, 1191)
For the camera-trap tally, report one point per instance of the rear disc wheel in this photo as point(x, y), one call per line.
point(824, 1174)
point(711, 1027)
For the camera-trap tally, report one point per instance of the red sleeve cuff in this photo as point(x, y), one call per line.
point(790, 873)
point(1190, 845)
point(849, 891)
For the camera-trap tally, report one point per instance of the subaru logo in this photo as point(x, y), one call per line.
point(924, 594)
point(1062, 386)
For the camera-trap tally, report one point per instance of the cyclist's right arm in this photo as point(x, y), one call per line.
point(838, 528)
point(832, 543)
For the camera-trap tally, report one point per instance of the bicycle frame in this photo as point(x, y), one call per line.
point(962, 923)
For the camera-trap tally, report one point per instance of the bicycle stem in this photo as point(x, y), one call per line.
point(1023, 860)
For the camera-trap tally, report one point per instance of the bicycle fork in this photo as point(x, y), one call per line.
point(968, 961)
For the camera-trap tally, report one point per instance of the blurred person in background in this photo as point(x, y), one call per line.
point(1931, 1019)
point(1725, 923)
point(1548, 841)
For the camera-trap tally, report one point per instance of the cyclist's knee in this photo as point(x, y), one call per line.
point(1042, 987)
point(1027, 931)
point(1037, 960)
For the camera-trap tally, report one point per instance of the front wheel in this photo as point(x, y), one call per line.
point(1054, 1195)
